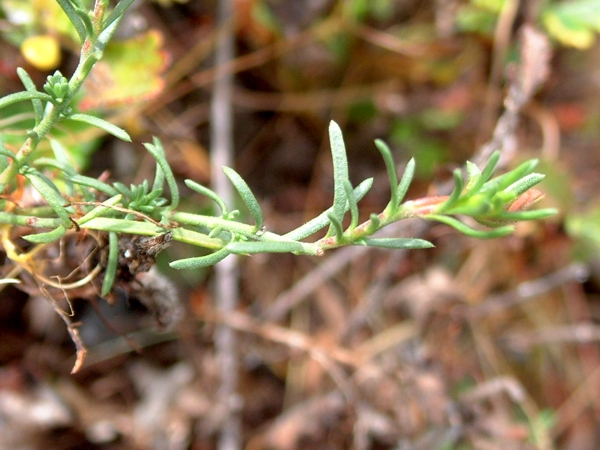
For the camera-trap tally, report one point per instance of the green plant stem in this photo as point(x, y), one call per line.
point(8, 218)
point(364, 230)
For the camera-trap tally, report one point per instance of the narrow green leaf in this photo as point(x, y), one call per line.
point(477, 178)
point(473, 175)
point(215, 232)
point(38, 109)
point(468, 231)
point(535, 214)
point(524, 184)
point(200, 262)
point(125, 226)
point(5, 154)
point(4, 163)
point(157, 150)
point(353, 205)
point(405, 181)
point(62, 154)
point(111, 266)
point(246, 194)
point(117, 12)
point(503, 181)
point(106, 34)
point(340, 175)
point(71, 13)
point(250, 247)
point(23, 96)
point(322, 220)
point(86, 21)
point(336, 225)
point(208, 193)
point(374, 225)
point(488, 170)
point(456, 191)
point(47, 237)
point(154, 194)
point(198, 239)
point(94, 183)
point(391, 170)
point(102, 124)
point(159, 178)
point(398, 243)
point(63, 167)
point(123, 190)
point(55, 164)
point(50, 194)
point(99, 210)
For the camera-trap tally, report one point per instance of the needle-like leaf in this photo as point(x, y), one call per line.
point(340, 175)
point(47, 237)
point(247, 196)
point(390, 166)
point(398, 243)
point(111, 265)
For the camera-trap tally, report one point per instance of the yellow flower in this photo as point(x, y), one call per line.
point(42, 52)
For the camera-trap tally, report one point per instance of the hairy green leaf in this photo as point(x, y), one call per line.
point(336, 225)
point(111, 265)
point(47, 237)
point(117, 12)
point(398, 243)
point(23, 96)
point(99, 210)
point(50, 194)
point(525, 183)
point(246, 194)
point(374, 224)
point(102, 124)
point(405, 181)
point(123, 190)
point(107, 33)
point(534, 214)
point(471, 232)
point(456, 192)
point(473, 175)
point(340, 175)
point(391, 170)
point(75, 19)
point(157, 150)
point(38, 109)
point(200, 262)
point(208, 193)
point(503, 181)
point(265, 247)
point(353, 205)
point(94, 183)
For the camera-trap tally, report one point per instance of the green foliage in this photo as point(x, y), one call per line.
point(585, 229)
point(360, 10)
point(572, 23)
point(76, 202)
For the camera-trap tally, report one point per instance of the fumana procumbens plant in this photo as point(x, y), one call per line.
point(75, 203)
